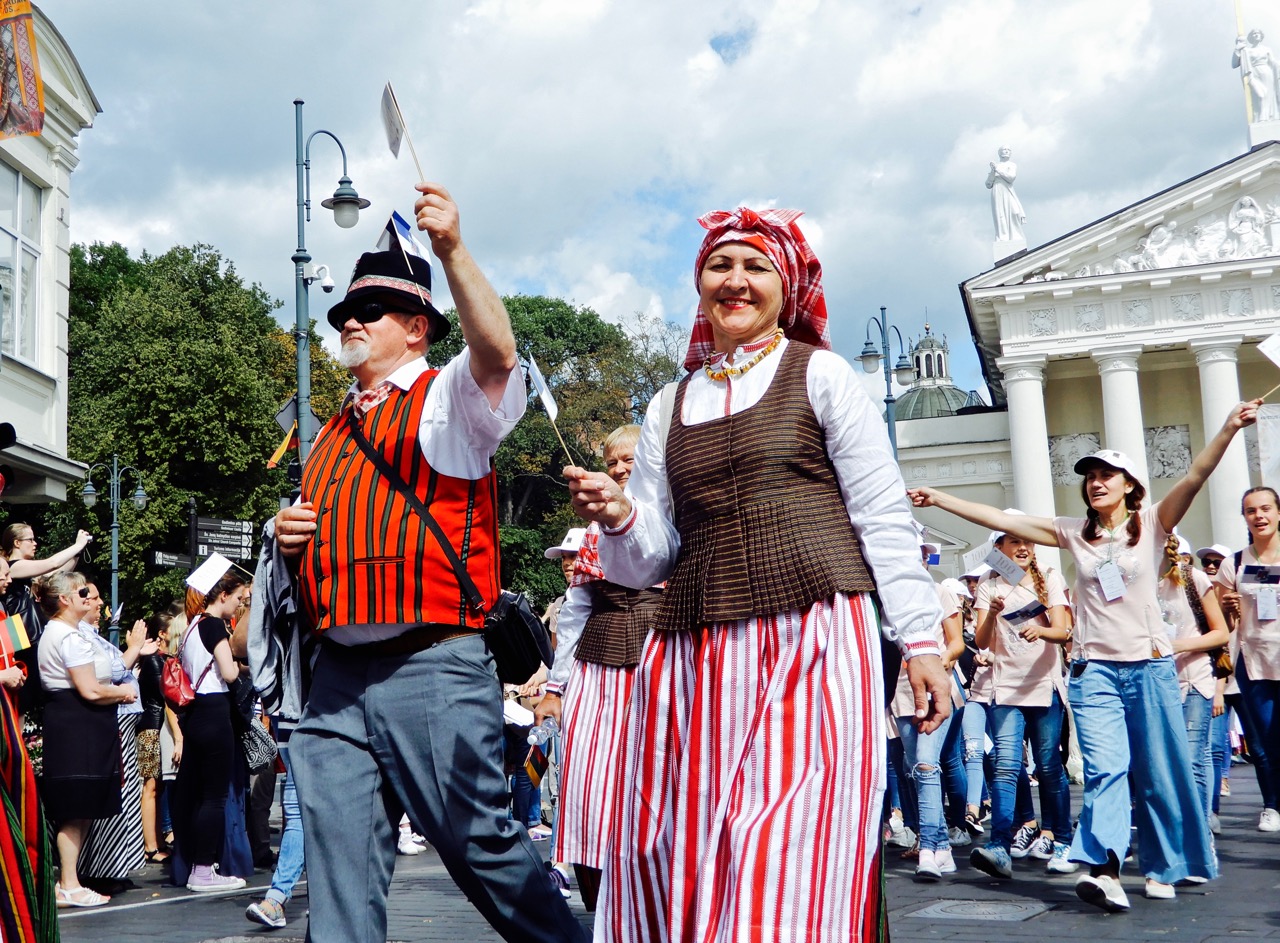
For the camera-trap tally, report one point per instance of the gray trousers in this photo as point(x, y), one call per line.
point(420, 733)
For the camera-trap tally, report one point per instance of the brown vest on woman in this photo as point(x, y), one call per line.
point(763, 526)
point(618, 625)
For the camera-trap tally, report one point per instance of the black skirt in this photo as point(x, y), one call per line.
point(82, 760)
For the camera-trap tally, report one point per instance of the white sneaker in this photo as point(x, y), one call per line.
point(1059, 863)
point(903, 838)
point(945, 862)
point(405, 845)
point(1269, 821)
point(1102, 891)
point(1215, 823)
point(927, 869)
point(1041, 848)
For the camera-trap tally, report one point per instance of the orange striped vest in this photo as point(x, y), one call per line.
point(372, 561)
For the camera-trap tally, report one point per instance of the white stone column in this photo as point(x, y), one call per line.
point(1219, 393)
point(1029, 442)
point(1121, 405)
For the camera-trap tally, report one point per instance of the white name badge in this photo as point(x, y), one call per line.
point(1266, 604)
point(1111, 581)
point(1005, 566)
point(1028, 612)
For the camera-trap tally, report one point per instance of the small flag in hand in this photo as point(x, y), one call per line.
point(290, 442)
point(399, 230)
point(536, 765)
point(392, 120)
point(13, 637)
point(540, 386)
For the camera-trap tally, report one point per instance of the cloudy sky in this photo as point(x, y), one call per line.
point(582, 138)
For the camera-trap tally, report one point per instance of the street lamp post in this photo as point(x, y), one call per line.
point(346, 205)
point(902, 370)
point(89, 495)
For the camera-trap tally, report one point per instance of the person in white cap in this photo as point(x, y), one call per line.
point(1211, 557)
point(1023, 621)
point(1123, 687)
point(1191, 607)
point(566, 552)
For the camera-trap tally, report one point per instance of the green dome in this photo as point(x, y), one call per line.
point(929, 402)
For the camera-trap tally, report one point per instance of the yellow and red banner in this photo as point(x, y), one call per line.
point(290, 442)
point(21, 91)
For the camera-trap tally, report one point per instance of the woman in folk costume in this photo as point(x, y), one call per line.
point(765, 492)
point(602, 628)
point(28, 909)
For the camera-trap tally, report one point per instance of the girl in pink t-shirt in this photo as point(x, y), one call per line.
point(1123, 685)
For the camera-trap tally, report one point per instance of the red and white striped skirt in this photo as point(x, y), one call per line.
point(595, 709)
point(751, 785)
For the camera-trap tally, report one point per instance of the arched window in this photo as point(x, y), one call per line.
point(928, 365)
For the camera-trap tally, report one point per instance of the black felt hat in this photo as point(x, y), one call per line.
point(400, 281)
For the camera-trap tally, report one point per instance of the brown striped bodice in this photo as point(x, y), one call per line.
point(763, 526)
point(618, 625)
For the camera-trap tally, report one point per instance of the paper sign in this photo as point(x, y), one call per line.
point(1258, 573)
point(517, 714)
point(1270, 348)
point(975, 557)
point(1028, 612)
point(1005, 566)
point(1111, 580)
point(1266, 599)
point(203, 577)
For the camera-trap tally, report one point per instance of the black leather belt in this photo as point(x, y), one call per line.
point(417, 639)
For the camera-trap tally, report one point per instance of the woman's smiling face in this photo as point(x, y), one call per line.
point(741, 294)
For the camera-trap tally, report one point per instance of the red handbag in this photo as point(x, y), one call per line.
point(174, 683)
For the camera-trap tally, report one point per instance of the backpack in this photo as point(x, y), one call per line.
point(174, 683)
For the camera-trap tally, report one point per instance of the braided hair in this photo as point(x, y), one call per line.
point(1174, 559)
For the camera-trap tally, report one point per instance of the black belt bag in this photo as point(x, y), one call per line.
point(516, 637)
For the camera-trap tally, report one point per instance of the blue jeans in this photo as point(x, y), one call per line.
point(906, 785)
point(1197, 714)
point(290, 863)
point(1221, 746)
point(1043, 727)
point(1260, 700)
point(973, 729)
point(1129, 718)
point(923, 755)
point(526, 799)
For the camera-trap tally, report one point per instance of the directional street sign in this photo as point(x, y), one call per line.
point(232, 539)
point(160, 558)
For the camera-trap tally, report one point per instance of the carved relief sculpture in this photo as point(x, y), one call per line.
point(1043, 322)
point(1168, 451)
point(1186, 308)
point(1090, 317)
point(1006, 208)
point(1237, 302)
point(1138, 313)
point(1066, 450)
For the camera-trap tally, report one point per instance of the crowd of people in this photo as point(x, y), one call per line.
point(758, 686)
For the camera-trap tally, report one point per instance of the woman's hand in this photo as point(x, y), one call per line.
point(126, 693)
point(996, 604)
point(1033, 632)
point(83, 538)
point(923, 497)
point(12, 678)
point(176, 756)
point(1219, 704)
point(1244, 414)
point(1230, 603)
point(136, 637)
point(597, 497)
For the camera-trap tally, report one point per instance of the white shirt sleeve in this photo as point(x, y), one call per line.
point(572, 620)
point(77, 651)
point(642, 552)
point(460, 430)
point(876, 498)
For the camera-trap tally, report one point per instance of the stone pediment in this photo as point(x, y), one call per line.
point(1228, 214)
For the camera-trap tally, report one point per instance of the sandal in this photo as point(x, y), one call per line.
point(155, 856)
point(78, 897)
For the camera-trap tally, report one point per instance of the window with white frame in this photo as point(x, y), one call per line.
point(20, 257)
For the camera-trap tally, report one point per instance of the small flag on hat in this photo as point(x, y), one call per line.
point(13, 637)
point(398, 230)
point(540, 386)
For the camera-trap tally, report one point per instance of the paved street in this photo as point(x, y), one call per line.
point(425, 905)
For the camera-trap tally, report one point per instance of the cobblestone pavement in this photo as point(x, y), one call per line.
point(426, 906)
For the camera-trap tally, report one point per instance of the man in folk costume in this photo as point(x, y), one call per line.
point(754, 766)
point(405, 710)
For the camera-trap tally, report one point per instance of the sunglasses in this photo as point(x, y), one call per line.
point(83, 592)
point(365, 313)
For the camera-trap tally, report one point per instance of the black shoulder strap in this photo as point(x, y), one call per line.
point(1239, 558)
point(399, 484)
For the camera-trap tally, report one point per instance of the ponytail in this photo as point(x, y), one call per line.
point(1037, 579)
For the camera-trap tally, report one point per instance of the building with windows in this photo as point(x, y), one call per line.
point(35, 242)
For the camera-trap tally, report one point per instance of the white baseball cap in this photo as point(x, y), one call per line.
point(1112, 459)
point(997, 534)
point(957, 587)
point(572, 543)
point(1220, 550)
point(977, 573)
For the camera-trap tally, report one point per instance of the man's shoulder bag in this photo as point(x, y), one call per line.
point(516, 637)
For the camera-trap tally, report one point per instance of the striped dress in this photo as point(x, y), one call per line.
point(113, 847)
point(754, 764)
point(28, 911)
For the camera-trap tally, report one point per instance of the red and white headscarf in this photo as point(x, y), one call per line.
point(775, 233)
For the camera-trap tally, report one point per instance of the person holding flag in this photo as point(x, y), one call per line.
point(405, 711)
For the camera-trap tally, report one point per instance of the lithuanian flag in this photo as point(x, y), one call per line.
point(13, 637)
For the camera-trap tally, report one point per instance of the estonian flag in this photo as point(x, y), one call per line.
point(397, 230)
